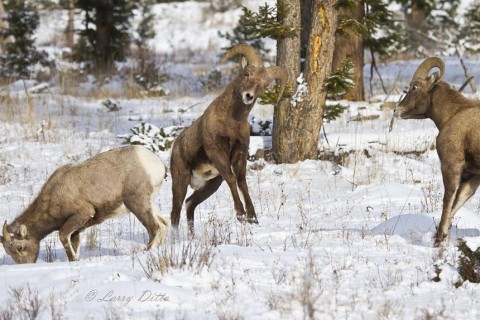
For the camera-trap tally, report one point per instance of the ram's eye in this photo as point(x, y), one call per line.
point(414, 88)
point(247, 74)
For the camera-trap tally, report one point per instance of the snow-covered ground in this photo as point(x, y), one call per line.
point(346, 237)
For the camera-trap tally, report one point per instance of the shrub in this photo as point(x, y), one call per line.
point(24, 303)
point(152, 137)
point(193, 254)
point(260, 127)
point(468, 263)
point(147, 73)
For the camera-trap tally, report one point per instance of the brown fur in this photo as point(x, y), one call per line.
point(76, 197)
point(458, 142)
point(219, 139)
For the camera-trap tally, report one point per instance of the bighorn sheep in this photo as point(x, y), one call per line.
point(76, 197)
point(458, 142)
point(215, 147)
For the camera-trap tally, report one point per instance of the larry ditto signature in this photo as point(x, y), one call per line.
point(111, 296)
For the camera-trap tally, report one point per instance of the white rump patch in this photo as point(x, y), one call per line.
point(121, 210)
point(152, 165)
point(201, 174)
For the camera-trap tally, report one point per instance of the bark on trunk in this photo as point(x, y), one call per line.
point(69, 33)
point(104, 24)
point(319, 65)
point(417, 27)
point(288, 57)
point(3, 25)
point(306, 22)
point(304, 120)
point(351, 47)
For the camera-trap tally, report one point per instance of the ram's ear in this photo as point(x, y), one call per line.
point(23, 231)
point(243, 62)
point(433, 79)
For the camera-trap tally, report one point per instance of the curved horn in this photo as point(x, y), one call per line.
point(281, 74)
point(427, 65)
point(252, 56)
point(6, 234)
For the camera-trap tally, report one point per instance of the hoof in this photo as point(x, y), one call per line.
point(242, 218)
point(252, 220)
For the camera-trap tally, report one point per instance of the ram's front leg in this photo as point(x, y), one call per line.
point(239, 166)
point(71, 229)
point(221, 160)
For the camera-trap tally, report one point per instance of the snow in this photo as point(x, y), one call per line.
point(302, 90)
point(350, 237)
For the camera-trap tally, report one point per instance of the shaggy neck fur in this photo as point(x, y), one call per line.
point(445, 103)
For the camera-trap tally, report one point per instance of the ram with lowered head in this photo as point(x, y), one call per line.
point(79, 196)
point(215, 147)
point(458, 142)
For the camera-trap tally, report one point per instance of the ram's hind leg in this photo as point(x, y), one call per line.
point(452, 176)
point(465, 191)
point(180, 181)
point(144, 208)
point(198, 197)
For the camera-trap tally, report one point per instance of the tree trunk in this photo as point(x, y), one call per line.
point(350, 46)
point(288, 57)
point(3, 26)
point(69, 32)
point(416, 26)
point(305, 117)
point(318, 66)
point(306, 23)
point(105, 26)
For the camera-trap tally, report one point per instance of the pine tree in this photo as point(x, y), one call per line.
point(145, 29)
point(470, 33)
point(431, 25)
point(340, 80)
point(444, 25)
point(306, 118)
point(349, 47)
point(106, 33)
point(253, 27)
point(384, 35)
point(147, 72)
point(468, 263)
point(20, 55)
point(416, 12)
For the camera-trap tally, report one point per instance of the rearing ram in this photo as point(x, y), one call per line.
point(215, 147)
point(458, 142)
